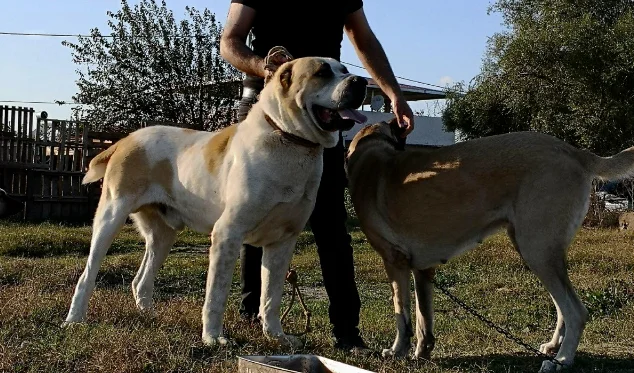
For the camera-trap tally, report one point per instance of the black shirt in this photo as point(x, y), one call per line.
point(304, 27)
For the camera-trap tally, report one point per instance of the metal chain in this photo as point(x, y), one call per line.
point(291, 278)
point(490, 323)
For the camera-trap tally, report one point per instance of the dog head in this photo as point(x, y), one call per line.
point(8, 205)
point(386, 132)
point(315, 96)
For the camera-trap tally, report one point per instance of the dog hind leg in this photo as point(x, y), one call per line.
point(110, 216)
point(159, 239)
point(545, 256)
point(399, 277)
point(551, 347)
point(424, 313)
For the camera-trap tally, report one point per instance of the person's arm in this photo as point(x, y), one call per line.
point(373, 57)
point(233, 42)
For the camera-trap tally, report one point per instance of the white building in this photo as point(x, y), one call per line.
point(427, 131)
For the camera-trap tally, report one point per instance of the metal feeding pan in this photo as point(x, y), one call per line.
point(294, 364)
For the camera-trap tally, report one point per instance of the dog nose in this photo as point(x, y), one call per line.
point(357, 80)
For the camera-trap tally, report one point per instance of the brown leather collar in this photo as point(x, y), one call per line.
point(289, 136)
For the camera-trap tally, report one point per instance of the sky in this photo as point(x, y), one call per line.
point(436, 42)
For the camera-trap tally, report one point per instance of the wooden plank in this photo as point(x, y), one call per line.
point(70, 132)
point(84, 152)
point(18, 133)
point(53, 148)
point(21, 134)
point(45, 137)
point(62, 146)
point(67, 213)
point(30, 190)
point(67, 187)
point(70, 199)
point(4, 132)
point(77, 152)
point(30, 154)
point(21, 165)
point(46, 185)
point(37, 157)
point(12, 143)
point(56, 211)
point(54, 180)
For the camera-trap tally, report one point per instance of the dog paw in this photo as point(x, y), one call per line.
point(145, 305)
point(215, 341)
point(69, 324)
point(389, 352)
point(423, 350)
point(146, 309)
point(550, 367)
point(286, 340)
point(549, 348)
point(422, 354)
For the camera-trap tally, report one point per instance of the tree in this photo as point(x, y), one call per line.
point(563, 67)
point(152, 68)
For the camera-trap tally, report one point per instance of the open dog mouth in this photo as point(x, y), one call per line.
point(337, 119)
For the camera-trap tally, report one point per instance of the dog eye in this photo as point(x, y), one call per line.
point(324, 71)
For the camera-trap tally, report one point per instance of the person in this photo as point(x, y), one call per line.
point(311, 28)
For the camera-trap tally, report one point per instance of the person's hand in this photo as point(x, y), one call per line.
point(404, 114)
point(276, 58)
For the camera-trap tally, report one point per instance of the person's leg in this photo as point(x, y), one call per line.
point(250, 281)
point(328, 223)
point(250, 256)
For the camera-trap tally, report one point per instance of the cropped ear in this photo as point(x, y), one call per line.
point(286, 76)
point(397, 132)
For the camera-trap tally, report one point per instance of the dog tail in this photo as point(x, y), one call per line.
point(97, 166)
point(616, 167)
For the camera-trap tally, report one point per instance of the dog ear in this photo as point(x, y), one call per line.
point(286, 77)
point(397, 132)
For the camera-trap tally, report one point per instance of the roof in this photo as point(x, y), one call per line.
point(411, 92)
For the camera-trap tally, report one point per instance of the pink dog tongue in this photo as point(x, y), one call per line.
point(355, 115)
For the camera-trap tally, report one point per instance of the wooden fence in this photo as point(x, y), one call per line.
point(42, 162)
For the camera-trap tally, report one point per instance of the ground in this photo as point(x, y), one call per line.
point(40, 265)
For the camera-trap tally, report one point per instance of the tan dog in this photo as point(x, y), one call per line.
point(254, 183)
point(422, 207)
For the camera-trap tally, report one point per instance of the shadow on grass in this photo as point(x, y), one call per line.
point(584, 363)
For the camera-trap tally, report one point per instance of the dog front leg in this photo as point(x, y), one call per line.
point(275, 262)
point(399, 277)
point(424, 313)
point(223, 254)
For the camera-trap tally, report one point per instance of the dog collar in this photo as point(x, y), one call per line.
point(289, 136)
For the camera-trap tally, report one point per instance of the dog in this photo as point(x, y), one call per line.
point(420, 207)
point(9, 206)
point(254, 182)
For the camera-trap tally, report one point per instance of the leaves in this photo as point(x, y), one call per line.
point(564, 67)
point(154, 68)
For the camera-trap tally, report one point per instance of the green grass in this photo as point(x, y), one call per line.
point(40, 264)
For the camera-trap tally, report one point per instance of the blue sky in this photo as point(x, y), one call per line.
point(431, 41)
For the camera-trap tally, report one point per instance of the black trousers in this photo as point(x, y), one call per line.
point(328, 224)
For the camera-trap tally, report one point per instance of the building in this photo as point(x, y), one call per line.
point(428, 130)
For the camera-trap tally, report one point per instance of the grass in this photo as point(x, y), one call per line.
point(40, 265)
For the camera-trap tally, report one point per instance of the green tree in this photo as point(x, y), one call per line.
point(153, 68)
point(561, 67)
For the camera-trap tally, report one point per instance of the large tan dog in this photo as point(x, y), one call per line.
point(422, 207)
point(254, 182)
